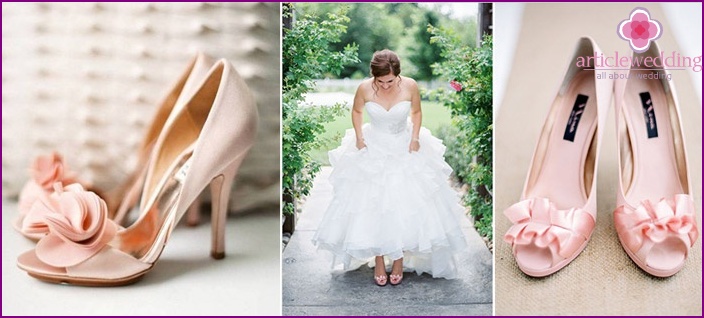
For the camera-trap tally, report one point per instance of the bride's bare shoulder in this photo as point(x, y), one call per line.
point(365, 87)
point(409, 83)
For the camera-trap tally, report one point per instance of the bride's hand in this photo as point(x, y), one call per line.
point(361, 144)
point(414, 146)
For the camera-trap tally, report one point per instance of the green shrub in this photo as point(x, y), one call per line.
point(469, 141)
point(306, 57)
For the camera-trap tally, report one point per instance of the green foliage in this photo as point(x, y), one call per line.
point(424, 54)
point(300, 130)
point(306, 56)
point(305, 51)
point(469, 142)
point(370, 30)
point(401, 27)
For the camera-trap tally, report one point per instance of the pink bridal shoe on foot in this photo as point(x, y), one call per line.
point(46, 170)
point(395, 278)
point(655, 218)
point(380, 279)
point(556, 215)
point(203, 144)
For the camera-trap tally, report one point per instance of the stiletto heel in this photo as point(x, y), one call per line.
point(655, 214)
point(557, 213)
point(193, 214)
point(203, 143)
point(220, 189)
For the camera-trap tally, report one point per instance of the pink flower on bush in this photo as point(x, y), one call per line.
point(456, 85)
point(639, 30)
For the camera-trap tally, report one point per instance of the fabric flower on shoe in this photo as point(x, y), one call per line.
point(44, 171)
point(76, 222)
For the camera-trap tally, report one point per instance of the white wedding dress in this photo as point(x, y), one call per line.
point(390, 202)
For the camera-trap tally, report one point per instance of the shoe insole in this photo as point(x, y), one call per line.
point(562, 172)
point(650, 137)
point(138, 239)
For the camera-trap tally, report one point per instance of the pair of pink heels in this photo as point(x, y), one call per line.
point(655, 214)
point(200, 135)
point(381, 280)
point(393, 279)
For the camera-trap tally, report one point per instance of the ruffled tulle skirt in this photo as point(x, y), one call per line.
point(390, 202)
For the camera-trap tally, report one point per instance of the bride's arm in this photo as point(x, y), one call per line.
point(358, 116)
point(416, 117)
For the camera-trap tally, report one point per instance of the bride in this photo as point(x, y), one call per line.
point(392, 200)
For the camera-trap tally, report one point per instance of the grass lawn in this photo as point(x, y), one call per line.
point(434, 116)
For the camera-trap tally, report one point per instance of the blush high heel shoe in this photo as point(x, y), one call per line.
point(557, 213)
point(395, 279)
point(655, 214)
point(124, 197)
point(203, 144)
point(381, 279)
point(46, 170)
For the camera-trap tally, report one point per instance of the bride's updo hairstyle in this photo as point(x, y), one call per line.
point(383, 63)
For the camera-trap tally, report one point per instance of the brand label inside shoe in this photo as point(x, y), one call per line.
point(651, 125)
point(183, 171)
point(577, 110)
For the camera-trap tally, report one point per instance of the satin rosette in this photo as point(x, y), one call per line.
point(538, 222)
point(656, 222)
point(45, 171)
point(76, 224)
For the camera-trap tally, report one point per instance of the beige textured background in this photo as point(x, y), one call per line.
point(602, 280)
point(85, 79)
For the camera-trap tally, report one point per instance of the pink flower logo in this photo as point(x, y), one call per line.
point(639, 30)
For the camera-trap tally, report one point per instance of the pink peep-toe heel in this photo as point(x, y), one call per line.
point(557, 213)
point(655, 214)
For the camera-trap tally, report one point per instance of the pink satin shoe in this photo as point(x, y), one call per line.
point(46, 170)
point(203, 144)
point(123, 198)
point(655, 217)
point(557, 213)
point(396, 279)
point(380, 280)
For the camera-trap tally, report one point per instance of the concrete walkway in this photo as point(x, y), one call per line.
point(311, 288)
